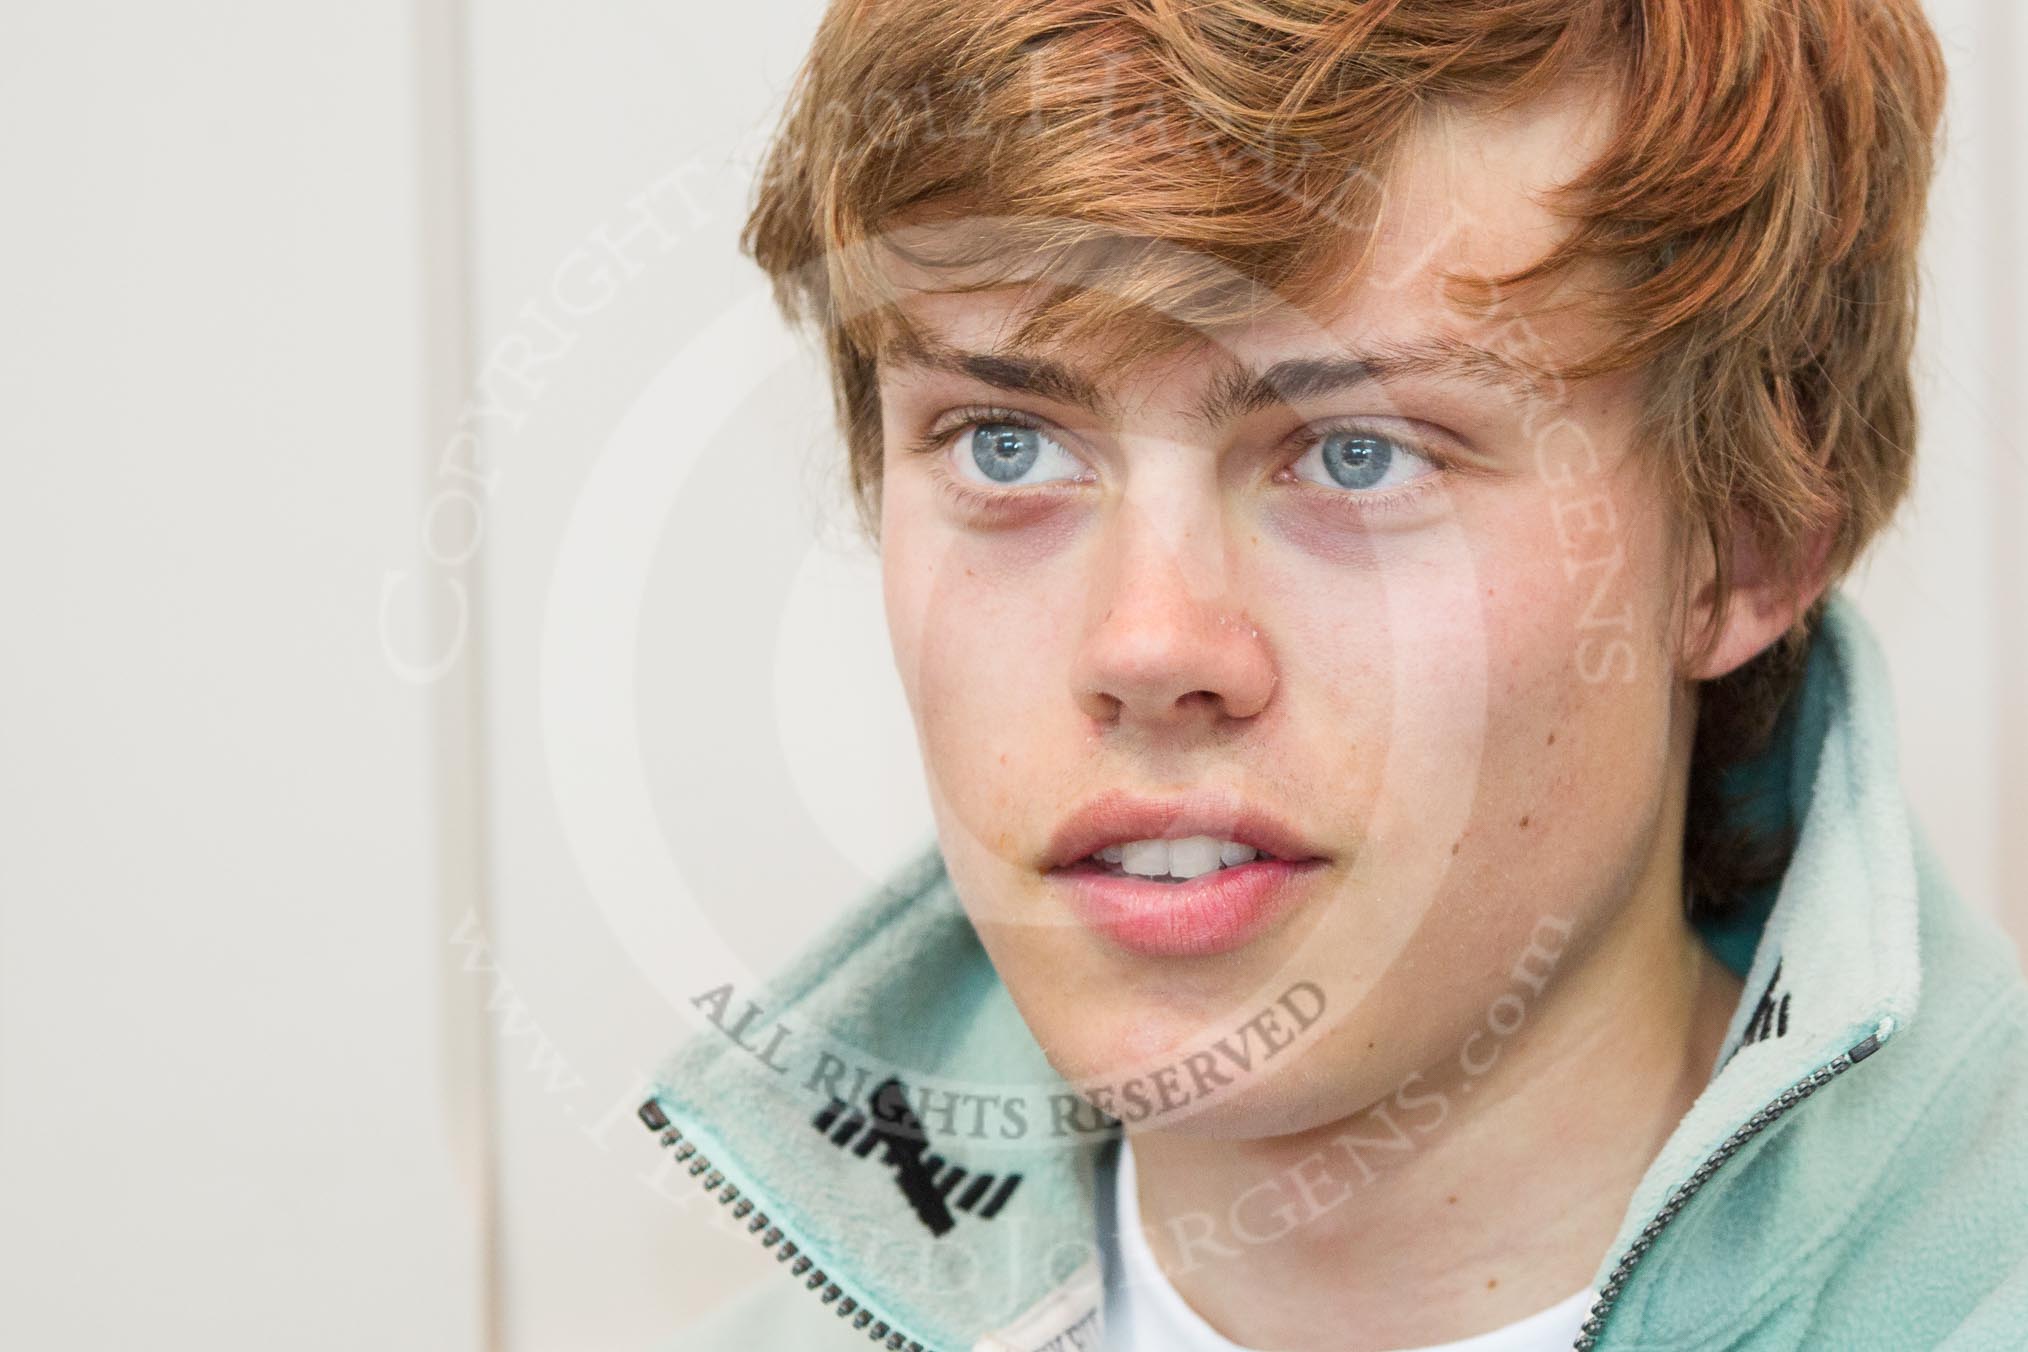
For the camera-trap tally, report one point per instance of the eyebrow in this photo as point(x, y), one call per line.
point(1243, 390)
point(1012, 371)
point(1236, 392)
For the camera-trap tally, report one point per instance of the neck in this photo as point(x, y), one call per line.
point(1505, 1210)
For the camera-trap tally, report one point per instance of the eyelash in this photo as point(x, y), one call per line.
point(1367, 506)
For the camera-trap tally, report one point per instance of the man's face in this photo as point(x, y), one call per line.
point(1414, 613)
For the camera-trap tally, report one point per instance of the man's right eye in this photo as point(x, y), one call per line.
point(1004, 453)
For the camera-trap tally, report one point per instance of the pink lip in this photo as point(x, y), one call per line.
point(1213, 913)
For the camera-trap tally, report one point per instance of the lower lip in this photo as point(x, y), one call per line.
point(1212, 913)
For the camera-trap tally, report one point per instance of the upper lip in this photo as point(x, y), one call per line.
point(1115, 817)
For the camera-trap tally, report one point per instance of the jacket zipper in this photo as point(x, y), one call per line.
point(1753, 1126)
point(798, 1260)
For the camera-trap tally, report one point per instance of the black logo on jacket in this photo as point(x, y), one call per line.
point(926, 1180)
point(1770, 1016)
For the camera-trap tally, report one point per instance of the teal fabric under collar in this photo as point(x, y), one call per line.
point(881, 1118)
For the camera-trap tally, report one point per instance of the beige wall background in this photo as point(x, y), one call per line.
point(436, 645)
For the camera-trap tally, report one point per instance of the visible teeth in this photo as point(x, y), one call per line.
point(1190, 857)
point(1193, 855)
point(1149, 858)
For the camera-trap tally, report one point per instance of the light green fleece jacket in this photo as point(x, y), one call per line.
point(1854, 1176)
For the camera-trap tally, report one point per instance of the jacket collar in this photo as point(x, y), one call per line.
point(965, 1219)
point(1829, 954)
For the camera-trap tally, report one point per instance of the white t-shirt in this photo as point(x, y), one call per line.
point(1144, 1313)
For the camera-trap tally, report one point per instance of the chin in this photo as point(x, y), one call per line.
point(1236, 1062)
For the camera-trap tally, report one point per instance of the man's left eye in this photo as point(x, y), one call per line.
point(1363, 460)
point(1002, 453)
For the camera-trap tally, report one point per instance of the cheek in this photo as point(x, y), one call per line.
point(1578, 681)
point(979, 661)
point(1498, 685)
point(1387, 697)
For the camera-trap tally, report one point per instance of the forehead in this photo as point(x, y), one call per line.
point(1471, 195)
point(1476, 187)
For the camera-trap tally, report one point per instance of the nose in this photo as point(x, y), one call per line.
point(1166, 641)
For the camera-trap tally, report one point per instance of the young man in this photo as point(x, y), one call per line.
point(1419, 858)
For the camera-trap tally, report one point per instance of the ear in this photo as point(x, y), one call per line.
point(1763, 603)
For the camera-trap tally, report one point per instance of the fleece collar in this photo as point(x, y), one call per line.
point(881, 1118)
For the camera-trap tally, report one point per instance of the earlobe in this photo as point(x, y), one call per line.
point(1762, 604)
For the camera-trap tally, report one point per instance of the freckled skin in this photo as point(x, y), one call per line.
point(1403, 693)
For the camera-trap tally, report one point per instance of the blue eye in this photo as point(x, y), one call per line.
point(1364, 460)
point(1003, 452)
point(1355, 460)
